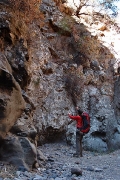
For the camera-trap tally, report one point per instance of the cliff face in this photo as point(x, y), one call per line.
point(51, 61)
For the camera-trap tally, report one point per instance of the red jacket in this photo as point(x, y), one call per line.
point(79, 121)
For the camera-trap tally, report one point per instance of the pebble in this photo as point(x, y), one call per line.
point(98, 169)
point(38, 178)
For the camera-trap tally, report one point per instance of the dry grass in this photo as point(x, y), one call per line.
point(27, 9)
point(74, 86)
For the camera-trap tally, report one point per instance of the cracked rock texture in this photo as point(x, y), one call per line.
point(51, 61)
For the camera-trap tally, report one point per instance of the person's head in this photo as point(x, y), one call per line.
point(79, 111)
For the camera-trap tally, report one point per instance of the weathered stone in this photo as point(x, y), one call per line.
point(76, 171)
point(19, 152)
point(11, 101)
point(40, 155)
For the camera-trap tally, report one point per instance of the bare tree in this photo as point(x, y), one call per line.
point(100, 5)
point(83, 3)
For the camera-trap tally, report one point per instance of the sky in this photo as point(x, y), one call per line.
point(110, 12)
point(118, 5)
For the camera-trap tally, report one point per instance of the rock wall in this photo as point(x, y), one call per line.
point(11, 100)
point(74, 68)
point(50, 63)
point(17, 138)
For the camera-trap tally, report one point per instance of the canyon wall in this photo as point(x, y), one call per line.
point(51, 61)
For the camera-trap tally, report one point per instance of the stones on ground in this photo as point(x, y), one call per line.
point(95, 169)
point(60, 168)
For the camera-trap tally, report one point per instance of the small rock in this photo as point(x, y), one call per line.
point(98, 170)
point(77, 162)
point(18, 173)
point(76, 171)
point(63, 178)
point(89, 168)
point(38, 178)
point(51, 159)
point(22, 168)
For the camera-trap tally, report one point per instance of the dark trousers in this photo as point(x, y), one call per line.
point(79, 137)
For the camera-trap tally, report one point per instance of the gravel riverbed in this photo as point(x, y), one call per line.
point(61, 165)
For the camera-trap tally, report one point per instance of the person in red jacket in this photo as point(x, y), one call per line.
point(79, 131)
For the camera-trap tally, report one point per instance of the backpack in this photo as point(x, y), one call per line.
point(86, 122)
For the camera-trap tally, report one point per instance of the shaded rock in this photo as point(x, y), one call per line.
point(11, 100)
point(40, 155)
point(96, 143)
point(18, 57)
point(29, 149)
point(6, 2)
point(76, 171)
point(50, 159)
point(19, 152)
point(19, 163)
point(24, 127)
point(95, 65)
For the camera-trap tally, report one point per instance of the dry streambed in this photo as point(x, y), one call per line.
point(60, 165)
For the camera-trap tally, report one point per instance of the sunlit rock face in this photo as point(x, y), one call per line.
point(74, 68)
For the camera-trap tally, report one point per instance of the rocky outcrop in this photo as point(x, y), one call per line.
point(11, 101)
point(14, 103)
point(49, 65)
point(19, 151)
point(78, 72)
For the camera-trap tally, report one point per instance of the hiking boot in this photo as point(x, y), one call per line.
point(76, 155)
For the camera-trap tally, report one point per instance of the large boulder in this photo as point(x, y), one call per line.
point(18, 151)
point(11, 101)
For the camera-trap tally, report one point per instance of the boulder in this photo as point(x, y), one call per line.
point(18, 151)
point(12, 103)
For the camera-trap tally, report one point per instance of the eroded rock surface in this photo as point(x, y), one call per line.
point(52, 60)
point(11, 101)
